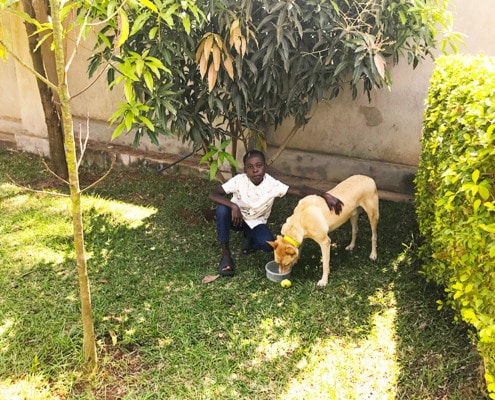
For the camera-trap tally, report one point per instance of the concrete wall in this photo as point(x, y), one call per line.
point(380, 138)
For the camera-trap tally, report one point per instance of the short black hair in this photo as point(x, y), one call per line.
point(253, 153)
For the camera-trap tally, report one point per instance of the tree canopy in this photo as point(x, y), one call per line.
point(231, 68)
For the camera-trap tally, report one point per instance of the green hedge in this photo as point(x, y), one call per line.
point(455, 197)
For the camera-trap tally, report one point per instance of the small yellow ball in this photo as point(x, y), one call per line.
point(286, 283)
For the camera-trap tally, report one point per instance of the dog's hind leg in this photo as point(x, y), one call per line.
point(373, 222)
point(373, 215)
point(354, 224)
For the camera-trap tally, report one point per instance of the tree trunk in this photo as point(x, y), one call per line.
point(89, 343)
point(42, 62)
point(284, 143)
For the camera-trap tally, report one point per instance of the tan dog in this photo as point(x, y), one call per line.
point(313, 219)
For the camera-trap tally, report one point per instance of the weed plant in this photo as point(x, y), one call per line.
point(373, 333)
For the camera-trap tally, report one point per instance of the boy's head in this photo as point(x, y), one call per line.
point(254, 166)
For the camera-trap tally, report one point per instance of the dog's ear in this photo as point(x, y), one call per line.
point(273, 244)
point(290, 250)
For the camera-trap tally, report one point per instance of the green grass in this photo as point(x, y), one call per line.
point(373, 333)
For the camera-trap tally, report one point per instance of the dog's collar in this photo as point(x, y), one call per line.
point(292, 241)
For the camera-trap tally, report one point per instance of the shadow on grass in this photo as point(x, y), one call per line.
point(373, 332)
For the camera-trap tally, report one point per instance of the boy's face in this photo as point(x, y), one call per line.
point(255, 169)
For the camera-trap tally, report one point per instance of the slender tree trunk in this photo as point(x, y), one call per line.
point(89, 343)
point(235, 135)
point(38, 9)
point(284, 143)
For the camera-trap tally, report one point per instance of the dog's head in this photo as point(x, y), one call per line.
point(286, 254)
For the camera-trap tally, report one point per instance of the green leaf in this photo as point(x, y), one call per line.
point(139, 65)
point(207, 156)
point(148, 78)
point(147, 122)
point(129, 120)
point(225, 144)
point(118, 131)
point(231, 160)
point(105, 40)
point(124, 28)
point(139, 23)
point(129, 91)
point(152, 33)
point(213, 169)
point(186, 22)
point(484, 192)
point(149, 4)
point(488, 228)
point(475, 175)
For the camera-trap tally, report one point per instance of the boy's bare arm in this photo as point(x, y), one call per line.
point(218, 196)
point(333, 202)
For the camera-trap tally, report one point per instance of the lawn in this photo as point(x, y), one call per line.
point(373, 333)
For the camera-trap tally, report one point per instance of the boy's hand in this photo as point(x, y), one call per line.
point(236, 215)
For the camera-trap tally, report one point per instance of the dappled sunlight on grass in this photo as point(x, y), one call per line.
point(269, 349)
point(39, 230)
point(5, 329)
point(39, 255)
point(372, 333)
point(32, 387)
point(129, 215)
point(342, 366)
point(35, 220)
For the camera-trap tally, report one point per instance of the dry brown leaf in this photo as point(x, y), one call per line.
point(207, 46)
point(379, 64)
point(235, 36)
point(212, 77)
point(216, 57)
point(209, 278)
point(235, 25)
point(227, 63)
point(203, 65)
point(218, 41)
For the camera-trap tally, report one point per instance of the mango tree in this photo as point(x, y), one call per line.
point(254, 63)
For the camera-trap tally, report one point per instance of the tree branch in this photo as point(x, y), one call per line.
point(22, 63)
point(284, 143)
point(34, 190)
point(81, 146)
point(50, 171)
point(114, 157)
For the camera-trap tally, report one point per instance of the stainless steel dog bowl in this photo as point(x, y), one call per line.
point(272, 272)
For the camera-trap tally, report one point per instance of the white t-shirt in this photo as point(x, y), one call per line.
point(255, 201)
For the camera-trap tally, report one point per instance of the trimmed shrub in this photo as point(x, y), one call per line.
point(455, 196)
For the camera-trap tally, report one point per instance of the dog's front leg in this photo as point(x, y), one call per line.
point(325, 253)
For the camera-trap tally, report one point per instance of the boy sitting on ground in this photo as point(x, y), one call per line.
point(253, 194)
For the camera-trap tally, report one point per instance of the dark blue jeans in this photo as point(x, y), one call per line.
point(260, 234)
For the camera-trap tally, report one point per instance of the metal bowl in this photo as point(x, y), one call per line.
point(272, 272)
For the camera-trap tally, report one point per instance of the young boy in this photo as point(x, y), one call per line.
point(253, 194)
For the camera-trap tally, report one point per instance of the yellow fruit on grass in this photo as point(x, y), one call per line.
point(286, 283)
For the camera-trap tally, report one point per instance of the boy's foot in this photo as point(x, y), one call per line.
point(226, 266)
point(247, 245)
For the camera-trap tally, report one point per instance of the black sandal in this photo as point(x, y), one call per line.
point(226, 266)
